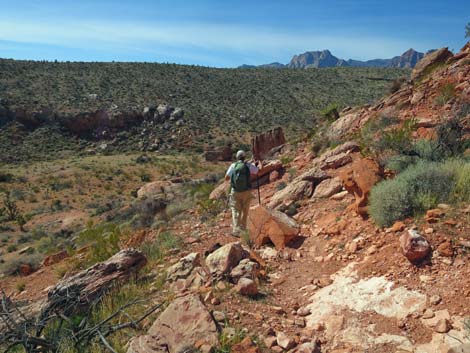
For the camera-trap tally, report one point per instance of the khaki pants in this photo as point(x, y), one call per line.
point(240, 205)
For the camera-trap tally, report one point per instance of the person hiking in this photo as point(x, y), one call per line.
point(239, 174)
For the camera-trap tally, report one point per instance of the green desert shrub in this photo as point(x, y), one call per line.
point(399, 151)
point(420, 187)
point(206, 207)
point(103, 241)
point(330, 112)
point(176, 208)
point(12, 267)
point(142, 212)
point(6, 177)
point(400, 163)
point(462, 185)
point(398, 139)
point(446, 93)
point(373, 127)
point(158, 249)
point(396, 85)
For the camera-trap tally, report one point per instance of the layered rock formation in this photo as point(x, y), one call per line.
point(262, 144)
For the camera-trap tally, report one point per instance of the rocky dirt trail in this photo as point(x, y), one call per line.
point(345, 285)
point(342, 285)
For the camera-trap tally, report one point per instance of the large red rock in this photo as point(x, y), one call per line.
point(55, 258)
point(414, 246)
point(328, 188)
point(224, 259)
point(155, 188)
point(300, 188)
point(446, 249)
point(220, 191)
point(294, 191)
point(267, 167)
point(184, 326)
point(347, 147)
point(184, 267)
point(262, 144)
point(349, 121)
point(102, 118)
point(265, 225)
point(26, 269)
point(247, 287)
point(359, 179)
point(431, 59)
point(337, 161)
point(245, 346)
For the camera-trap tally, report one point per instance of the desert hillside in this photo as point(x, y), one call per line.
point(58, 109)
point(359, 241)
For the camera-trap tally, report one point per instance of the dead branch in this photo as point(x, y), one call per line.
point(19, 330)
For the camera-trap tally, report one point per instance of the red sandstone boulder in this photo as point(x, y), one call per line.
point(155, 188)
point(224, 259)
point(446, 249)
point(267, 168)
point(185, 325)
point(300, 188)
point(431, 59)
point(414, 246)
point(247, 287)
point(220, 191)
point(337, 161)
point(294, 191)
point(266, 225)
point(398, 226)
point(347, 147)
point(26, 269)
point(245, 346)
point(55, 258)
point(328, 188)
point(359, 179)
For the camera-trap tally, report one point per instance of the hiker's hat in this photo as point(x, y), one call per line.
point(241, 154)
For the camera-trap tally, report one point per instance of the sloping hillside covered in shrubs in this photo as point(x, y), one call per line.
point(218, 104)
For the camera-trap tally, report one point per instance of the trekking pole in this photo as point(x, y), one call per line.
point(259, 196)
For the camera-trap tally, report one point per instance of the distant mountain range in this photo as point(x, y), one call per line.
point(317, 59)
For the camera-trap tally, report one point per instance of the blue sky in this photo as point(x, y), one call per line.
point(225, 33)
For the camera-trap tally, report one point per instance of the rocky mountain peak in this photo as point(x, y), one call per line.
point(315, 59)
point(407, 60)
point(324, 58)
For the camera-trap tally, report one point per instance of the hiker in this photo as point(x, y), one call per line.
point(239, 174)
